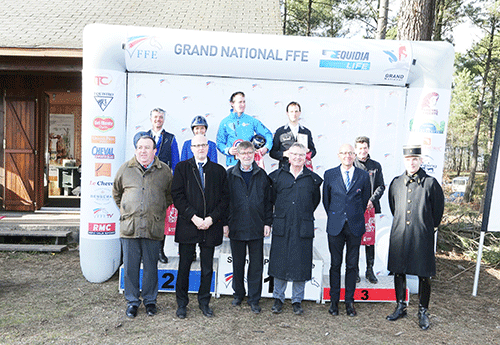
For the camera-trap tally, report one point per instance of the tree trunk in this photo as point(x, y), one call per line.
point(309, 12)
point(416, 20)
point(382, 19)
point(438, 25)
point(475, 143)
point(489, 144)
point(459, 168)
point(284, 16)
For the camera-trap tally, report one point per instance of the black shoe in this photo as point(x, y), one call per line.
point(131, 311)
point(277, 307)
point(349, 309)
point(162, 257)
point(236, 301)
point(370, 276)
point(398, 313)
point(358, 279)
point(297, 308)
point(151, 309)
point(334, 308)
point(206, 310)
point(256, 309)
point(423, 318)
point(181, 312)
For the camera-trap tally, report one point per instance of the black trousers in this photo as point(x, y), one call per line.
point(255, 267)
point(186, 252)
point(336, 245)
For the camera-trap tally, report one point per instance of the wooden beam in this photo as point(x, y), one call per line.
point(42, 52)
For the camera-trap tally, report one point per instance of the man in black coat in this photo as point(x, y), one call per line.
point(250, 219)
point(296, 194)
point(374, 169)
point(417, 204)
point(291, 133)
point(346, 193)
point(201, 195)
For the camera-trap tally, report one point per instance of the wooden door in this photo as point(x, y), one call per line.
point(20, 154)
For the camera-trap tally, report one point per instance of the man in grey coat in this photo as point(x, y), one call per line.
point(417, 204)
point(141, 191)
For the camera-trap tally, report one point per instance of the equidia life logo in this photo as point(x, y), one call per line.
point(343, 59)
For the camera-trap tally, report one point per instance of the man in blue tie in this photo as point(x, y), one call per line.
point(346, 192)
point(201, 195)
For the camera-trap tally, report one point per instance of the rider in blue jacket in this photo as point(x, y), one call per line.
point(239, 126)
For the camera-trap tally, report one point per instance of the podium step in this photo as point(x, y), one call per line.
point(365, 291)
point(167, 276)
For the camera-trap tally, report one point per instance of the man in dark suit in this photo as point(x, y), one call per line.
point(346, 192)
point(201, 195)
point(166, 150)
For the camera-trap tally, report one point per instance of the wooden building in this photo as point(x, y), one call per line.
point(40, 80)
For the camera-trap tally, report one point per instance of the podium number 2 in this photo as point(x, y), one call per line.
point(170, 279)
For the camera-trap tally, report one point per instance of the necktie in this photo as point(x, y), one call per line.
point(347, 180)
point(200, 168)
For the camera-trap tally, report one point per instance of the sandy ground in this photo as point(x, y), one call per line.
point(44, 299)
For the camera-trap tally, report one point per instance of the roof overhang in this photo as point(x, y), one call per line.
point(40, 60)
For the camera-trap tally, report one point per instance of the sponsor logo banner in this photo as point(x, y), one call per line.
point(102, 228)
point(103, 99)
point(341, 59)
point(103, 139)
point(103, 152)
point(101, 183)
point(101, 213)
point(103, 124)
point(103, 80)
point(101, 196)
point(103, 169)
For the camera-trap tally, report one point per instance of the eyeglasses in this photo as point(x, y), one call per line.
point(346, 153)
point(199, 146)
point(248, 153)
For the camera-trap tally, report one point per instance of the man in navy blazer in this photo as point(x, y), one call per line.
point(346, 192)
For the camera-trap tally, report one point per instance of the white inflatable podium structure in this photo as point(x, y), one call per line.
point(394, 92)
